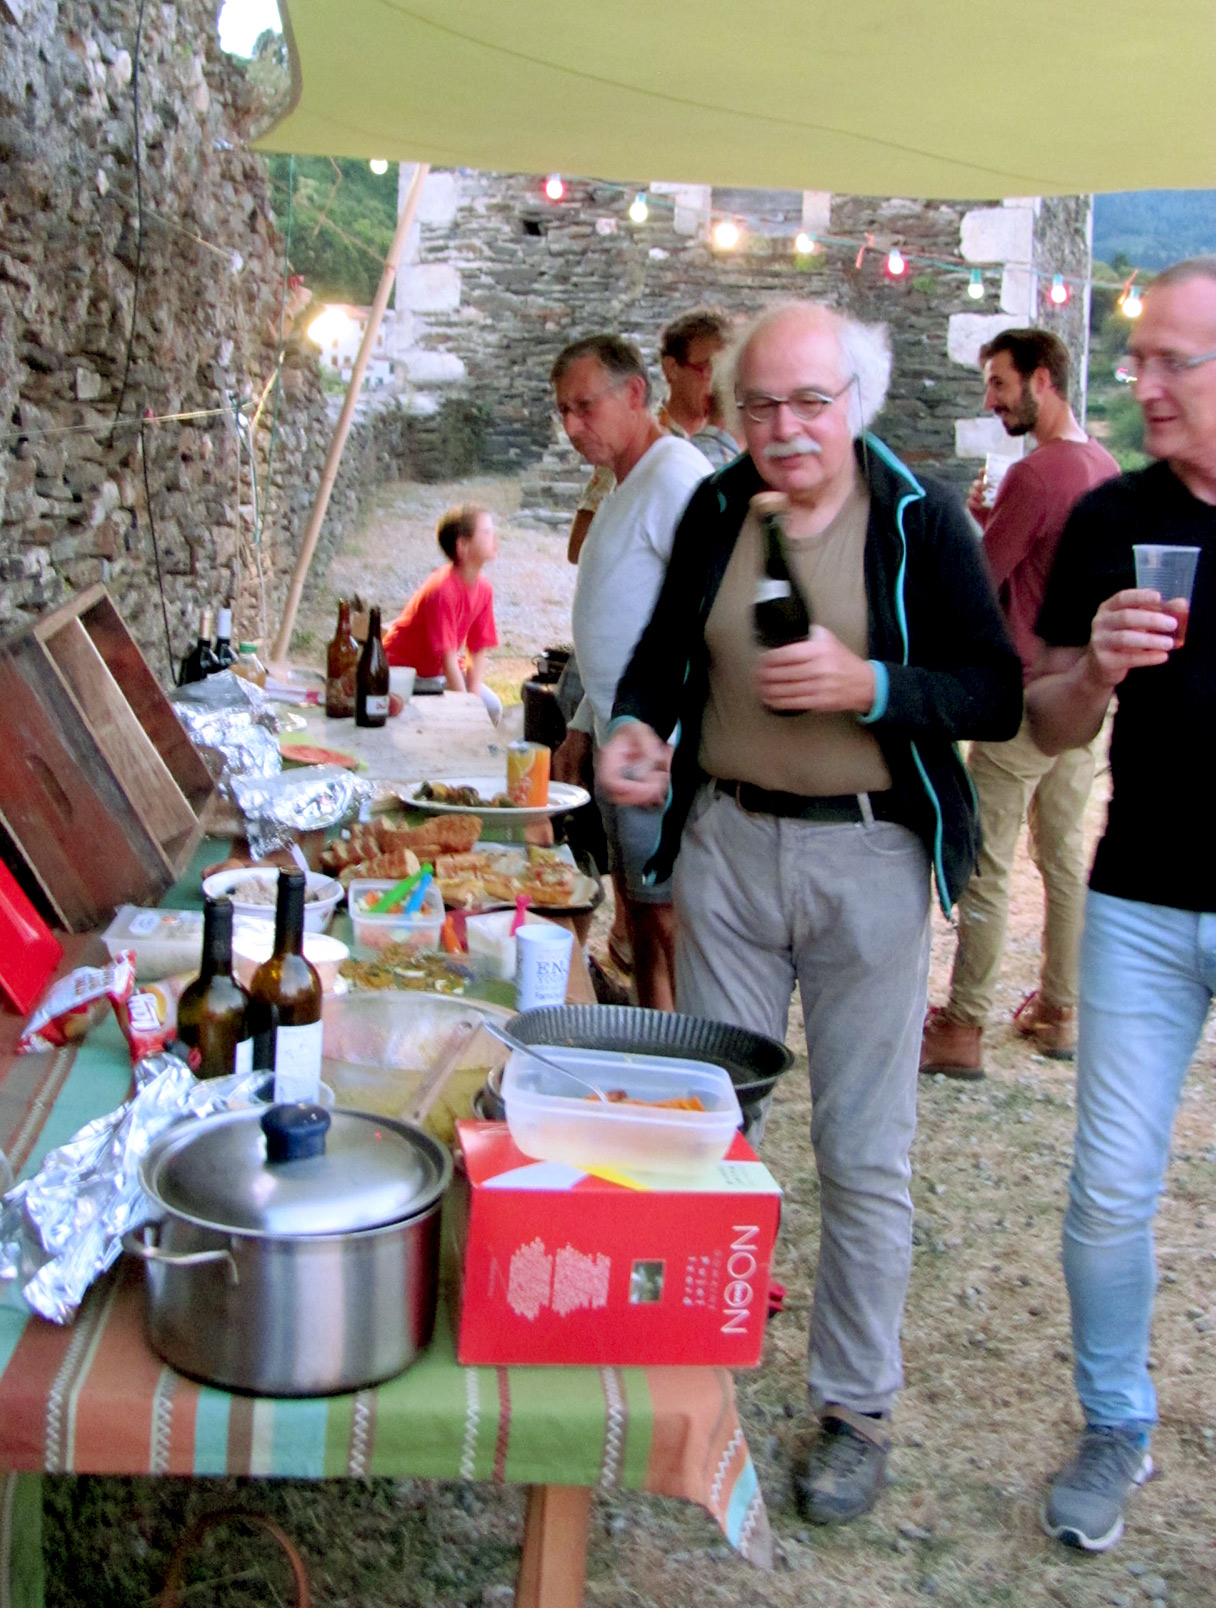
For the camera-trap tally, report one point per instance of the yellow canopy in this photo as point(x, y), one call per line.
point(864, 97)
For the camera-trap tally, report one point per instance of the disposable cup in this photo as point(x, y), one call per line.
point(1171, 572)
point(542, 964)
point(996, 466)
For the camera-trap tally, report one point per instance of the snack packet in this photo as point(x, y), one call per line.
point(70, 1007)
point(149, 1017)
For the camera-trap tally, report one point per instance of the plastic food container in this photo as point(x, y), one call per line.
point(552, 1119)
point(419, 931)
point(165, 941)
point(492, 944)
point(253, 942)
point(318, 911)
point(384, 1052)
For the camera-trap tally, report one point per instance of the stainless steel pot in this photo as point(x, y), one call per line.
point(297, 1250)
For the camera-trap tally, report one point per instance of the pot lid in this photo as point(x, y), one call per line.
point(296, 1169)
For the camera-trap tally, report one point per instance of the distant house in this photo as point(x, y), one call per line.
point(338, 330)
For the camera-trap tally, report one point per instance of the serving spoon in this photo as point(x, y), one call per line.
point(512, 1043)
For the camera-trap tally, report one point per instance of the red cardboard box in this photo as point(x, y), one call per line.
point(559, 1266)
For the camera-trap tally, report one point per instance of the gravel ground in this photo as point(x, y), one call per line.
point(988, 1409)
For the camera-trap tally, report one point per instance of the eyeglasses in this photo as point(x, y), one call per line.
point(586, 407)
point(804, 405)
point(1169, 365)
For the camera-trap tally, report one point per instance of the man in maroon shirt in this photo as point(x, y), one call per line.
point(1026, 386)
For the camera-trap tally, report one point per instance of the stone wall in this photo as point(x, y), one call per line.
point(202, 288)
point(496, 279)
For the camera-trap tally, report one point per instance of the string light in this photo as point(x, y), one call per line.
point(1059, 292)
point(639, 211)
point(378, 165)
point(1130, 303)
point(555, 189)
point(804, 244)
point(896, 263)
point(726, 234)
point(975, 288)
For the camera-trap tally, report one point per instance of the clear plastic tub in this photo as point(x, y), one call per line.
point(552, 1119)
point(419, 931)
point(165, 941)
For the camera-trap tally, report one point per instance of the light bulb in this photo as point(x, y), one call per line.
point(378, 165)
point(1059, 291)
point(554, 188)
point(976, 288)
point(1130, 303)
point(639, 211)
point(896, 265)
point(804, 244)
point(726, 234)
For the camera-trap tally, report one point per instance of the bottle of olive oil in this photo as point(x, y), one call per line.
point(285, 1002)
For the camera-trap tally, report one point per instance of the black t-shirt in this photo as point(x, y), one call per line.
point(1159, 846)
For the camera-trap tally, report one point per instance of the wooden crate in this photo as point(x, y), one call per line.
point(102, 789)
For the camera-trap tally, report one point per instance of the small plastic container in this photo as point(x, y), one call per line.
point(165, 941)
point(321, 902)
point(492, 944)
point(253, 942)
point(552, 1118)
point(419, 931)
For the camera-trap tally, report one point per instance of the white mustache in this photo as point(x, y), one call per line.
point(796, 448)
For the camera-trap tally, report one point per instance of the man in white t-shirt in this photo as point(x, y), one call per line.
point(602, 392)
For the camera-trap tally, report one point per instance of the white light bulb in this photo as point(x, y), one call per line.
point(896, 264)
point(1059, 291)
point(976, 288)
point(378, 165)
point(726, 234)
point(1131, 304)
point(639, 211)
point(554, 188)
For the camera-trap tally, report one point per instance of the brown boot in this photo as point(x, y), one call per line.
point(951, 1047)
point(1052, 1027)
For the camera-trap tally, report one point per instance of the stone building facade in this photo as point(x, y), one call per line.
point(496, 278)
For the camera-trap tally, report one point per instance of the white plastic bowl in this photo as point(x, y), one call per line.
point(553, 1118)
point(253, 941)
point(318, 912)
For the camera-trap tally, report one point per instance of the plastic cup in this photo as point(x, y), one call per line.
point(996, 466)
point(542, 964)
point(1169, 571)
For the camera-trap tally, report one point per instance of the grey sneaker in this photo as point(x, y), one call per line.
point(846, 1468)
point(1084, 1507)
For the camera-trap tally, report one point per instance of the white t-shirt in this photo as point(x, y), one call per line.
point(621, 569)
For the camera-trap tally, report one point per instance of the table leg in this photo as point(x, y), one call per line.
point(553, 1563)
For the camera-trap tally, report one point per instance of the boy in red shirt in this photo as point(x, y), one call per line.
point(452, 610)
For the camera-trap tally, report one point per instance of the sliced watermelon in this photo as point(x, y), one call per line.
point(314, 754)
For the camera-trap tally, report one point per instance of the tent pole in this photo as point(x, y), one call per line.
point(329, 474)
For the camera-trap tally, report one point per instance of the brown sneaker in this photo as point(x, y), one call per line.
point(1052, 1027)
point(950, 1047)
point(846, 1469)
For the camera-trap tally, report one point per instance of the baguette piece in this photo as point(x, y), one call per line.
point(397, 863)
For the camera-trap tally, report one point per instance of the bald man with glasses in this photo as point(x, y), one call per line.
point(1148, 953)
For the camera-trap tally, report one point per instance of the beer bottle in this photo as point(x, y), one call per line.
point(224, 655)
point(780, 613)
point(371, 679)
point(200, 662)
point(212, 1013)
point(341, 661)
point(285, 1002)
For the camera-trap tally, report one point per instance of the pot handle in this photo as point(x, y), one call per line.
point(135, 1240)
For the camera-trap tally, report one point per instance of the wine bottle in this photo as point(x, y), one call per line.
point(780, 613)
point(341, 664)
point(371, 679)
point(223, 640)
point(212, 1013)
point(199, 663)
point(285, 1001)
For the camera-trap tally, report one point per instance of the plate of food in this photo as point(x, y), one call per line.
point(487, 796)
point(494, 875)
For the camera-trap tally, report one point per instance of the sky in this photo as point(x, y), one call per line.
point(241, 21)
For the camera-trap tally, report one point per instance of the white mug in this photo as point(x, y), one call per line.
point(542, 964)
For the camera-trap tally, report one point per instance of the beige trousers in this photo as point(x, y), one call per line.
point(1015, 781)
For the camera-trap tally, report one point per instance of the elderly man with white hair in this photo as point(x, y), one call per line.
point(811, 790)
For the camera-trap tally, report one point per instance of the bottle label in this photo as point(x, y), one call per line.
point(376, 703)
point(769, 588)
point(297, 1063)
point(244, 1056)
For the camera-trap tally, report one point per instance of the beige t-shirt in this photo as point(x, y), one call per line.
point(810, 753)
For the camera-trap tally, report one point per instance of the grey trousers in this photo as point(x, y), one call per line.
point(763, 902)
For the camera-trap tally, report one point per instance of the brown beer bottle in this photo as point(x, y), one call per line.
point(212, 1013)
point(341, 661)
point(285, 1002)
point(371, 680)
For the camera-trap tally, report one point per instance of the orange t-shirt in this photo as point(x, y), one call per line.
point(443, 616)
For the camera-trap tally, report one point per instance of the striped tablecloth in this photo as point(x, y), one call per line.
point(93, 1398)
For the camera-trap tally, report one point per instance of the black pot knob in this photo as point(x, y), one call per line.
point(295, 1132)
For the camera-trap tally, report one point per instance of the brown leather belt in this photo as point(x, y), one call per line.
point(830, 809)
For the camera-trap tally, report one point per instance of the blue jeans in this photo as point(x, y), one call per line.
point(1148, 973)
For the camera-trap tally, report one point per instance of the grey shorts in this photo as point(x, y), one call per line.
point(633, 836)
